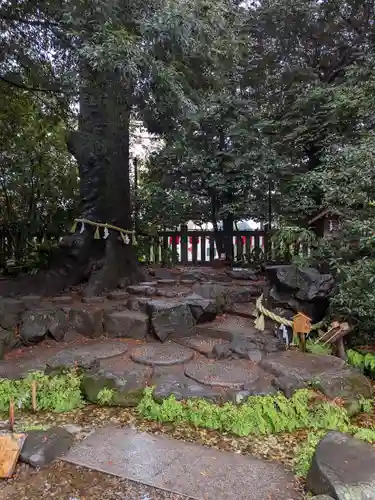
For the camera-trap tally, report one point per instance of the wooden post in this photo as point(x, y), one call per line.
point(301, 327)
point(11, 416)
point(33, 395)
point(184, 244)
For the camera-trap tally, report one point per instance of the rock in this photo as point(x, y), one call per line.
point(11, 311)
point(193, 276)
point(86, 321)
point(255, 340)
point(169, 282)
point(138, 304)
point(200, 343)
point(124, 379)
point(161, 273)
point(231, 374)
point(244, 295)
point(130, 324)
point(243, 310)
point(170, 319)
point(62, 299)
point(156, 354)
point(8, 340)
point(43, 447)
point(343, 467)
point(348, 384)
point(118, 295)
point(213, 291)
point(289, 385)
point(31, 301)
point(261, 387)
point(170, 294)
point(85, 357)
point(36, 325)
point(93, 300)
point(141, 290)
point(187, 282)
point(303, 290)
point(221, 351)
point(202, 309)
point(182, 388)
point(306, 367)
point(243, 274)
point(321, 497)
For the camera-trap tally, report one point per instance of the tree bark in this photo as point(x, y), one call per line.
point(101, 148)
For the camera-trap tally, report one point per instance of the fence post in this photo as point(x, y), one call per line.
point(184, 244)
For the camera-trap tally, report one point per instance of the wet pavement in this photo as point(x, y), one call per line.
point(182, 468)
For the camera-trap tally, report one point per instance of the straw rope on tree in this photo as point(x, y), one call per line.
point(124, 233)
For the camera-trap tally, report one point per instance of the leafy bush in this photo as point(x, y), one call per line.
point(364, 362)
point(58, 393)
point(258, 415)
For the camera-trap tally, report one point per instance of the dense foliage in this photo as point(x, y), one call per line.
point(256, 102)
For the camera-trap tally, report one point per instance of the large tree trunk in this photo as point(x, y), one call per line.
point(101, 148)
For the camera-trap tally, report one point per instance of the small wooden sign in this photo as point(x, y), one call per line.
point(301, 324)
point(10, 449)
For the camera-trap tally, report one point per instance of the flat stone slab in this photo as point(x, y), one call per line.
point(201, 343)
point(189, 469)
point(84, 356)
point(141, 290)
point(300, 365)
point(131, 324)
point(229, 328)
point(233, 374)
point(156, 354)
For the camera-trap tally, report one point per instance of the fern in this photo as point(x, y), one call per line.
point(364, 362)
point(105, 396)
point(314, 348)
point(259, 415)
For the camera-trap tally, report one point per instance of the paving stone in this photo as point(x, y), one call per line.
point(193, 276)
point(182, 388)
point(233, 374)
point(31, 301)
point(261, 387)
point(187, 468)
point(43, 447)
point(131, 324)
point(36, 325)
point(243, 274)
point(202, 309)
point(243, 295)
point(86, 321)
point(187, 282)
point(148, 283)
point(170, 319)
point(118, 295)
point(289, 385)
point(201, 343)
point(244, 310)
point(166, 293)
point(161, 354)
point(17, 369)
point(126, 381)
point(343, 467)
point(93, 300)
point(215, 291)
point(85, 356)
point(141, 290)
point(62, 299)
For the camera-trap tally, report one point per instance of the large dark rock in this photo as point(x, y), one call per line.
point(303, 290)
point(182, 388)
point(243, 295)
point(131, 324)
point(219, 293)
point(124, 380)
point(202, 309)
point(11, 311)
point(170, 319)
point(243, 274)
point(8, 340)
point(343, 467)
point(348, 384)
point(36, 325)
point(43, 447)
point(328, 374)
point(86, 321)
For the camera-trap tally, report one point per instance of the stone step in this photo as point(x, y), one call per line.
point(130, 324)
point(182, 468)
point(243, 310)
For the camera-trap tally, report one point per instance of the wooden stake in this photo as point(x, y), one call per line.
point(11, 416)
point(33, 395)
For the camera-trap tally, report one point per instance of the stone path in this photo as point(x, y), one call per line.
point(183, 468)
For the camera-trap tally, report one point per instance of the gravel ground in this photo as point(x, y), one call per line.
point(63, 481)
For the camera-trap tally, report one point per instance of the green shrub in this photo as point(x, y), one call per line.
point(364, 362)
point(57, 393)
point(258, 415)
